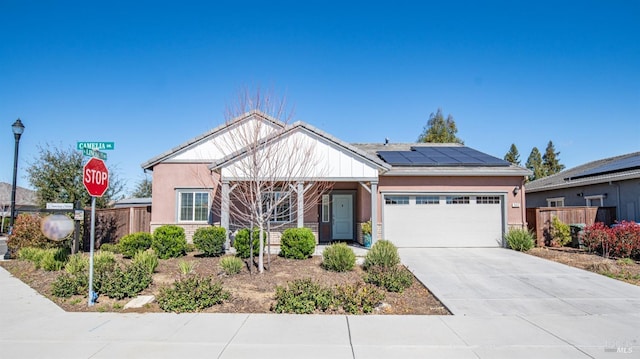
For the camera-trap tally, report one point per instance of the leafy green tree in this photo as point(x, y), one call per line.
point(550, 160)
point(143, 188)
point(56, 175)
point(439, 130)
point(513, 156)
point(534, 163)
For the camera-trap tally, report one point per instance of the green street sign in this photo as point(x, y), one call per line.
point(94, 153)
point(96, 145)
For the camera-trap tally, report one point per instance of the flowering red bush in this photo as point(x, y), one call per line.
point(627, 239)
point(623, 240)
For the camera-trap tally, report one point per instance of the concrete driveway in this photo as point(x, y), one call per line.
point(497, 281)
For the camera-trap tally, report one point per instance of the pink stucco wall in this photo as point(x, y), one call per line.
point(516, 215)
point(167, 177)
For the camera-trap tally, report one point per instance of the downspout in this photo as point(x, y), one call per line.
point(523, 207)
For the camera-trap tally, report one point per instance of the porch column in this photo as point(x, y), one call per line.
point(300, 192)
point(374, 212)
point(224, 212)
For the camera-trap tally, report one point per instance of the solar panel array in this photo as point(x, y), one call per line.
point(627, 163)
point(440, 156)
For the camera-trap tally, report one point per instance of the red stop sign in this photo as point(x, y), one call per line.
point(95, 177)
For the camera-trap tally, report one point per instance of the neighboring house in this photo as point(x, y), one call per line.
point(418, 195)
point(26, 200)
point(610, 182)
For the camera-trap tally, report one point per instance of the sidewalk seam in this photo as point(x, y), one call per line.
point(233, 336)
point(554, 335)
point(353, 353)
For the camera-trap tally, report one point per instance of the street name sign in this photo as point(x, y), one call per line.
point(81, 145)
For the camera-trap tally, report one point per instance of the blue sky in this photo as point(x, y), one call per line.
point(152, 75)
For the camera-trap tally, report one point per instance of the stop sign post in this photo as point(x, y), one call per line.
point(95, 178)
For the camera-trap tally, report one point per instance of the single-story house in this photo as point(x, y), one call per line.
point(609, 182)
point(416, 195)
point(26, 200)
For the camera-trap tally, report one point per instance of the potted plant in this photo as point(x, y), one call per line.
point(366, 233)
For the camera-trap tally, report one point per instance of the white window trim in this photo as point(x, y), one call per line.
point(193, 192)
point(555, 199)
point(288, 199)
point(589, 200)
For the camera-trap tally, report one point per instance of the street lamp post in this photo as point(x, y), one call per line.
point(18, 129)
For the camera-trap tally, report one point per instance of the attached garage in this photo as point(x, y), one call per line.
point(444, 220)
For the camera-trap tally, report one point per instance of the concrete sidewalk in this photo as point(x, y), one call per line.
point(31, 326)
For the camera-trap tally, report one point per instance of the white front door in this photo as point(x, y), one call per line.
point(342, 209)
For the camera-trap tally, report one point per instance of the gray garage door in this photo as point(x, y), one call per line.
point(442, 220)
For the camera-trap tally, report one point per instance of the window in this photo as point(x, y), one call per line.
point(194, 206)
point(280, 205)
point(457, 200)
point(396, 199)
point(595, 201)
point(488, 200)
point(555, 202)
point(427, 199)
point(325, 208)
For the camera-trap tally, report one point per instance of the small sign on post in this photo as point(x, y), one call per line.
point(61, 206)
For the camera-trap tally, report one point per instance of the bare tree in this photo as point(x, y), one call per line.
point(275, 170)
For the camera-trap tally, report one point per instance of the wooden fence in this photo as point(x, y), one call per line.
point(539, 219)
point(115, 223)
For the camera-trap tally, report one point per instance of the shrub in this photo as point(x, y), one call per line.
point(303, 296)
point(383, 253)
point(132, 243)
point(519, 239)
point(77, 264)
point(358, 298)
point(110, 247)
point(392, 279)
point(560, 232)
point(627, 239)
point(338, 257)
point(68, 284)
point(192, 294)
point(53, 259)
point(599, 238)
point(186, 267)
point(169, 241)
point(31, 254)
point(125, 282)
point(27, 233)
point(104, 261)
point(241, 242)
point(231, 265)
point(148, 259)
point(210, 240)
point(297, 243)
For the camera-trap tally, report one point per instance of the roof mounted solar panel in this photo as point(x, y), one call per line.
point(441, 156)
point(623, 164)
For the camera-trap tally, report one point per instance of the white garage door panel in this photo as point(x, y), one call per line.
point(443, 225)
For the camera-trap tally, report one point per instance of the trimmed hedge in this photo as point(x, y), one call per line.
point(169, 241)
point(297, 243)
point(132, 243)
point(241, 242)
point(210, 240)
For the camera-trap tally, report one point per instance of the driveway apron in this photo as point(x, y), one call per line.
point(498, 281)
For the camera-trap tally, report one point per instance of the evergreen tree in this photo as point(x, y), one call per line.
point(513, 156)
point(143, 188)
point(534, 163)
point(439, 130)
point(551, 163)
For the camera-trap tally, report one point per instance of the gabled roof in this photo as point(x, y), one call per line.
point(600, 171)
point(148, 165)
point(24, 196)
point(374, 160)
